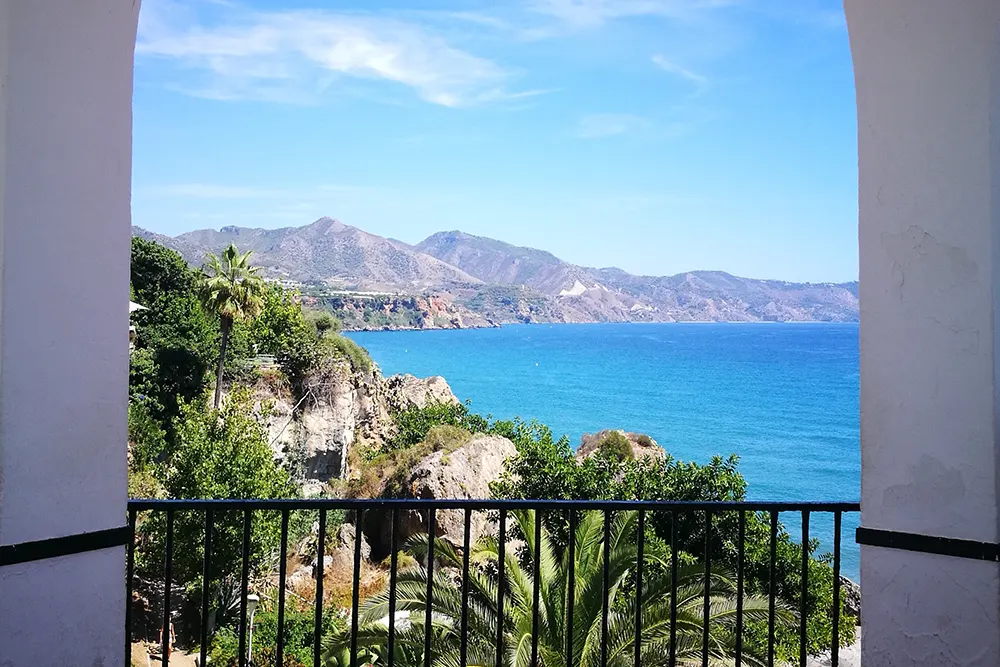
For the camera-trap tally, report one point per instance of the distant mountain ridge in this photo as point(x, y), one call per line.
point(326, 250)
point(612, 293)
point(507, 283)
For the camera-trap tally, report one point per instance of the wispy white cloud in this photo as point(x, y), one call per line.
point(296, 56)
point(666, 65)
point(604, 125)
point(588, 13)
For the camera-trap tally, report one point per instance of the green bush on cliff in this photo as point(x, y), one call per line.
point(545, 467)
point(218, 454)
point(617, 446)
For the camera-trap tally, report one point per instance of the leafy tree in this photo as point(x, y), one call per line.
point(547, 469)
point(517, 620)
point(175, 340)
point(305, 356)
point(231, 290)
point(280, 317)
point(219, 454)
point(323, 322)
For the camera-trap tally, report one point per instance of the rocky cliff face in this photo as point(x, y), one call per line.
point(462, 472)
point(317, 433)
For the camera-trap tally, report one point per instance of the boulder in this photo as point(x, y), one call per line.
point(406, 391)
point(642, 445)
point(850, 593)
point(464, 472)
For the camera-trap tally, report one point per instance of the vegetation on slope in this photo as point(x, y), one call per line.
point(546, 467)
point(181, 447)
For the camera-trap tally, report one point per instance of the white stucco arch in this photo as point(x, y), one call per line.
point(928, 93)
point(927, 75)
point(65, 160)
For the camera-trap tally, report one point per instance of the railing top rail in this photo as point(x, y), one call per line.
point(491, 504)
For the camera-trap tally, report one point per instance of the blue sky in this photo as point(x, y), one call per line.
point(659, 136)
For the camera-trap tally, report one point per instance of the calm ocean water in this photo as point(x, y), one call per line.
point(782, 397)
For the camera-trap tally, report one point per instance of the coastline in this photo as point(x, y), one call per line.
point(499, 325)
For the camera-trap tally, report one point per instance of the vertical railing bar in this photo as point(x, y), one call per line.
point(393, 566)
point(673, 589)
point(320, 566)
point(356, 589)
point(804, 610)
point(535, 592)
point(466, 548)
point(282, 576)
point(501, 581)
point(428, 610)
point(740, 546)
point(835, 648)
point(571, 588)
point(640, 541)
point(167, 574)
point(772, 589)
point(605, 610)
point(244, 587)
point(129, 569)
point(206, 585)
point(706, 609)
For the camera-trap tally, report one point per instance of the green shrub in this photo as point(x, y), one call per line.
point(384, 475)
point(219, 454)
point(345, 348)
point(322, 321)
point(616, 446)
point(298, 637)
point(413, 424)
point(547, 469)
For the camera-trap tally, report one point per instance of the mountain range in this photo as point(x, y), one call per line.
point(500, 282)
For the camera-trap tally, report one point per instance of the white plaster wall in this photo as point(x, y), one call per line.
point(64, 272)
point(928, 115)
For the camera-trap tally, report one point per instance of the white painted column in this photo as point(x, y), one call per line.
point(65, 172)
point(928, 85)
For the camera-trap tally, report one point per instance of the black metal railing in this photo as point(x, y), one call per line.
point(692, 519)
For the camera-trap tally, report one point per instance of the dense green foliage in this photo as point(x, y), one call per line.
point(218, 454)
point(553, 567)
point(298, 635)
point(175, 342)
point(546, 468)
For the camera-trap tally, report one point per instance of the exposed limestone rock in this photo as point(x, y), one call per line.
point(405, 391)
point(464, 472)
point(642, 445)
point(850, 592)
point(316, 433)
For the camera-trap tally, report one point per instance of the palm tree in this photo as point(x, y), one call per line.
point(231, 290)
point(588, 597)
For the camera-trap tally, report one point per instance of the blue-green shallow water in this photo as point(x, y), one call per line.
point(782, 396)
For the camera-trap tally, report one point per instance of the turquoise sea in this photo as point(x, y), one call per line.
point(784, 397)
